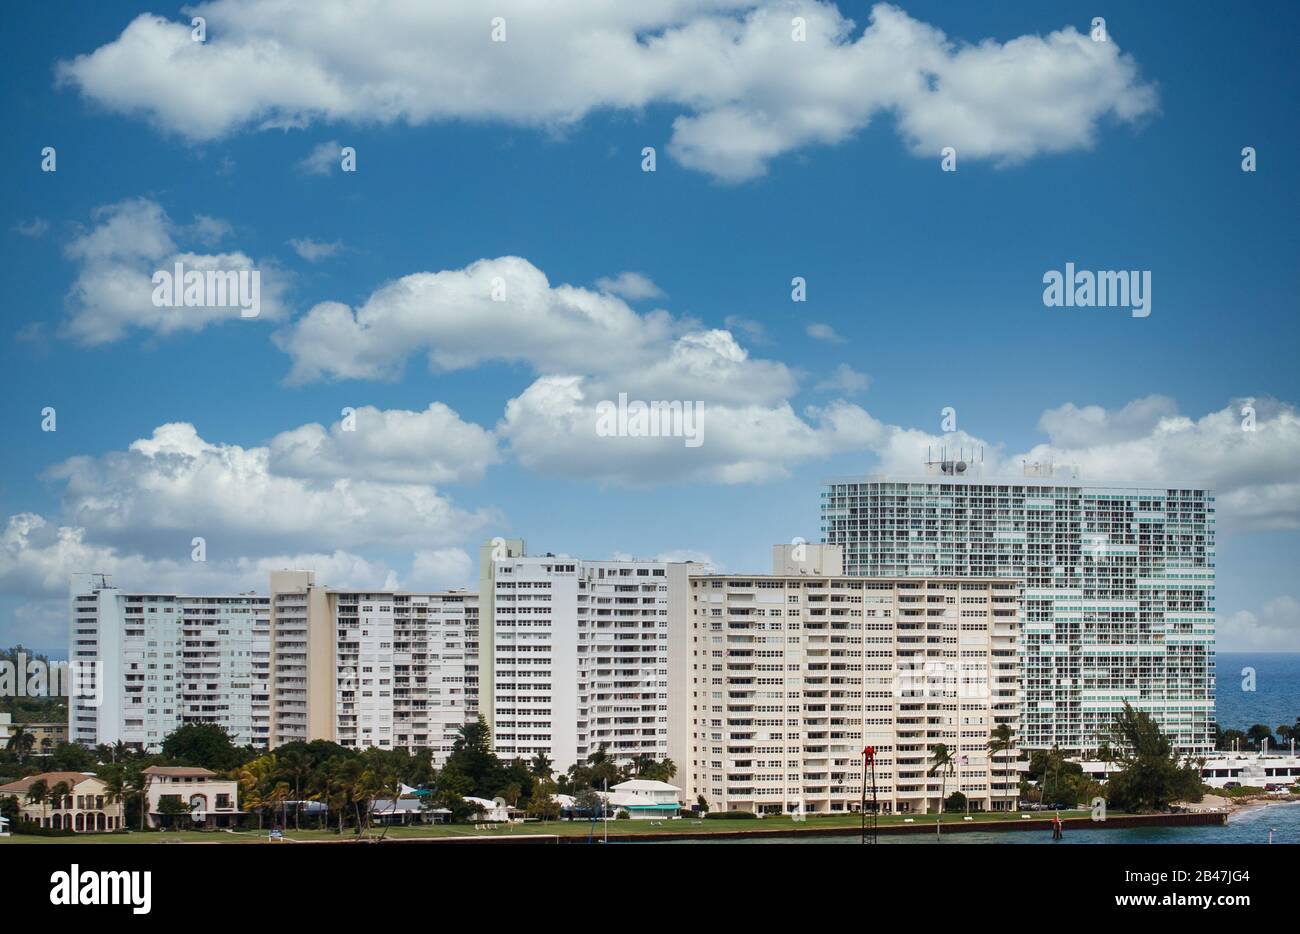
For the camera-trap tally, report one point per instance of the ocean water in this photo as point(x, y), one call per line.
point(1248, 827)
point(1276, 698)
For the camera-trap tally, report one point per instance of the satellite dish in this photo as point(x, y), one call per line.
point(961, 466)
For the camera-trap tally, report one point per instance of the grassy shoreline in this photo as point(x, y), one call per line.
point(625, 830)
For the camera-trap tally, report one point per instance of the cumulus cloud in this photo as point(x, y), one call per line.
point(313, 251)
point(322, 159)
point(506, 310)
point(845, 379)
point(116, 260)
point(1251, 466)
point(552, 427)
point(34, 229)
point(37, 558)
point(440, 569)
point(393, 445)
point(754, 331)
point(1274, 627)
point(630, 285)
point(824, 332)
point(588, 348)
point(1083, 426)
point(743, 90)
point(174, 485)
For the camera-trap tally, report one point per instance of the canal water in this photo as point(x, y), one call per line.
point(1249, 826)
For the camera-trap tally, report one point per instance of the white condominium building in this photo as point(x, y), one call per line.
point(1119, 584)
point(166, 659)
point(372, 668)
point(794, 674)
point(579, 655)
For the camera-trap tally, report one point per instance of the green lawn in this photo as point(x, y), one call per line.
point(848, 822)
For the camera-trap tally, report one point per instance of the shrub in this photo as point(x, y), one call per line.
point(731, 815)
point(1241, 791)
point(33, 829)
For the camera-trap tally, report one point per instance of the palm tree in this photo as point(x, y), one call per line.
point(1106, 755)
point(138, 785)
point(362, 784)
point(115, 784)
point(541, 765)
point(296, 764)
point(21, 742)
point(388, 780)
point(58, 792)
point(323, 786)
point(1053, 761)
point(1003, 740)
point(941, 761)
point(38, 792)
point(255, 784)
point(278, 797)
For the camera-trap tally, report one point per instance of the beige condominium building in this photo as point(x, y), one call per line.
point(371, 668)
point(793, 674)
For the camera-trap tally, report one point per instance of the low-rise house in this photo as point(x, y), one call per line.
point(491, 810)
point(85, 808)
point(406, 810)
point(213, 801)
point(644, 799)
point(47, 735)
point(1224, 769)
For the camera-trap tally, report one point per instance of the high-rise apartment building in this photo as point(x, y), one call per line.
point(372, 668)
point(159, 660)
point(579, 655)
point(795, 673)
point(1119, 584)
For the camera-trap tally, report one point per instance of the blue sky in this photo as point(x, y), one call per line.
point(931, 281)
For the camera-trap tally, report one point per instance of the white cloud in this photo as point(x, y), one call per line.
point(824, 332)
point(174, 485)
point(1274, 628)
point(38, 557)
point(453, 317)
point(846, 380)
point(313, 251)
point(753, 330)
point(440, 569)
point(630, 285)
point(209, 230)
point(1146, 440)
point(322, 159)
point(35, 228)
point(1075, 426)
point(117, 258)
point(394, 446)
point(743, 91)
point(551, 427)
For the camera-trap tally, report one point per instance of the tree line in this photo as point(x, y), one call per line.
point(322, 784)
